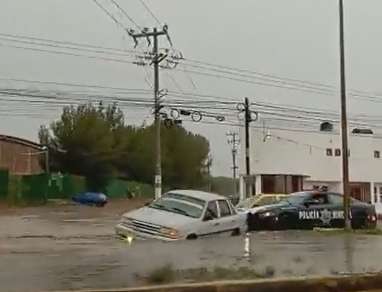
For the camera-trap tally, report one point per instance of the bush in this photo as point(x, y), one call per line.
point(165, 274)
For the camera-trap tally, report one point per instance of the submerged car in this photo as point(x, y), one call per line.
point(182, 214)
point(90, 199)
point(258, 202)
point(307, 210)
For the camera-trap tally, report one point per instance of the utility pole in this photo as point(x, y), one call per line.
point(208, 165)
point(156, 60)
point(234, 141)
point(344, 126)
point(248, 185)
point(46, 159)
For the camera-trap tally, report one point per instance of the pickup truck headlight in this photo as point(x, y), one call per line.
point(170, 232)
point(126, 221)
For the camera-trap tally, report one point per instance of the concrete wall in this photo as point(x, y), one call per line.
point(333, 284)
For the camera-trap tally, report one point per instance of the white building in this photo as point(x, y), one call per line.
point(286, 161)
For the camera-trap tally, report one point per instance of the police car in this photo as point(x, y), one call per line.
point(307, 210)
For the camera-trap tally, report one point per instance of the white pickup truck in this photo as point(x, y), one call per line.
point(182, 214)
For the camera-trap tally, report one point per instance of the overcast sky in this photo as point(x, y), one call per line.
point(290, 38)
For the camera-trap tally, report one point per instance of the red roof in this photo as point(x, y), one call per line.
point(21, 141)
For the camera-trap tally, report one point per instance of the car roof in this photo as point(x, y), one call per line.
point(199, 195)
point(316, 193)
point(273, 195)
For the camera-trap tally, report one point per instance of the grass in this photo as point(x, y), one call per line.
point(339, 231)
point(163, 275)
point(269, 272)
point(167, 274)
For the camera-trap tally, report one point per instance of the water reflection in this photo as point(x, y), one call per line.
point(349, 249)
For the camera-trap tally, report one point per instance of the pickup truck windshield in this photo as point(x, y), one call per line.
point(180, 204)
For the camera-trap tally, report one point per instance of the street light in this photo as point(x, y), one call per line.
point(344, 126)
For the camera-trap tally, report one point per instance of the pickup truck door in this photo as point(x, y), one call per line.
point(229, 220)
point(211, 222)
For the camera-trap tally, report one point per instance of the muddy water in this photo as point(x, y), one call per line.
point(74, 247)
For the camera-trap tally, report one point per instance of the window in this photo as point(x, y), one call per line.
point(169, 203)
point(377, 154)
point(212, 209)
point(320, 198)
point(336, 199)
point(337, 152)
point(326, 127)
point(380, 190)
point(224, 209)
point(329, 152)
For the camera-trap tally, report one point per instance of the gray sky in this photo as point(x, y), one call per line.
point(294, 39)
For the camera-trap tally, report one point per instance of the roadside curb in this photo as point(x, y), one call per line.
point(301, 284)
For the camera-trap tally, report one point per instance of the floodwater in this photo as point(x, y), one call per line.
point(70, 247)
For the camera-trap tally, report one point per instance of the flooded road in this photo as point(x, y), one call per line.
point(72, 247)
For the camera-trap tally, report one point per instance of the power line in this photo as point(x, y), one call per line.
point(46, 40)
point(150, 11)
point(69, 54)
point(125, 13)
point(255, 82)
point(109, 14)
point(124, 89)
point(372, 97)
point(82, 49)
point(260, 73)
point(302, 85)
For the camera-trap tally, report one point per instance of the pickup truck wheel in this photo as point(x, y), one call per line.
point(236, 232)
point(192, 236)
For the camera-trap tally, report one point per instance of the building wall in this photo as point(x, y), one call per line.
point(20, 158)
point(301, 153)
point(332, 186)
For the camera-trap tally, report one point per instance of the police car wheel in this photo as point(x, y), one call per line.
point(283, 222)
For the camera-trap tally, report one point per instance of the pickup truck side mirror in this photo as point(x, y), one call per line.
point(208, 217)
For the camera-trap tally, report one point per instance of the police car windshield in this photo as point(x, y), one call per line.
point(295, 199)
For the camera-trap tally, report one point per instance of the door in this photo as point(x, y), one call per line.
point(210, 224)
point(337, 203)
point(316, 211)
point(228, 220)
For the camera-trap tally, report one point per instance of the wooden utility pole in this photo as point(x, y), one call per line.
point(344, 123)
point(248, 185)
point(234, 141)
point(157, 58)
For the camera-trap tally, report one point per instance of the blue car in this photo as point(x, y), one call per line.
point(90, 199)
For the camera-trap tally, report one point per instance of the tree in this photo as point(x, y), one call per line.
point(84, 141)
point(183, 156)
point(94, 141)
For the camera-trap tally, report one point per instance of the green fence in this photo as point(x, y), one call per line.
point(118, 188)
point(65, 186)
point(37, 189)
point(4, 182)
point(27, 189)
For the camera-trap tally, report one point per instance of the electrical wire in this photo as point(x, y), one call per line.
point(109, 14)
point(69, 54)
point(151, 12)
point(126, 14)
